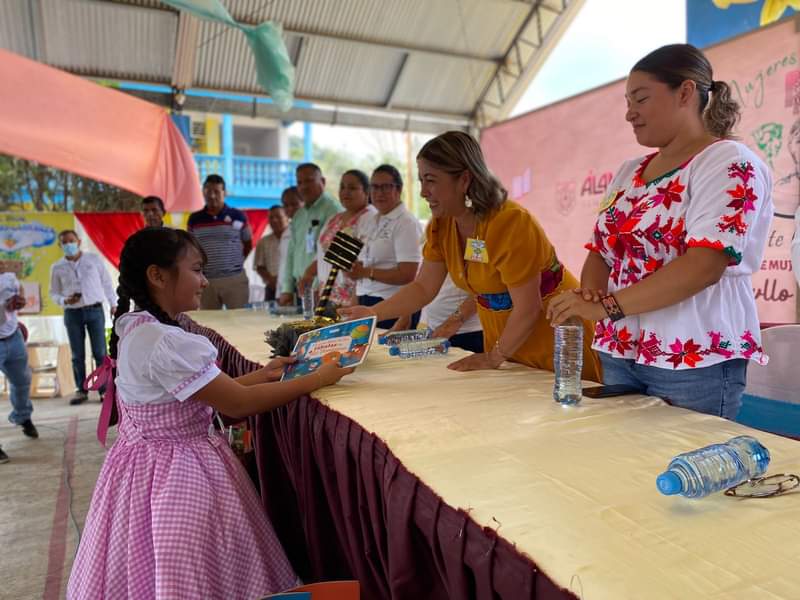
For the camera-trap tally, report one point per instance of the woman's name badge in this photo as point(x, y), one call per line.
point(311, 242)
point(476, 251)
point(609, 200)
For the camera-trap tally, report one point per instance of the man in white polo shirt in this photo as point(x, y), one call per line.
point(391, 254)
point(79, 282)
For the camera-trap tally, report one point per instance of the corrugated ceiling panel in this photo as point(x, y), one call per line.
point(346, 73)
point(437, 84)
point(488, 26)
point(109, 40)
point(135, 39)
point(16, 33)
point(224, 60)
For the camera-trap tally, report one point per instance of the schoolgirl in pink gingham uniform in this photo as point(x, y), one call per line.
point(173, 514)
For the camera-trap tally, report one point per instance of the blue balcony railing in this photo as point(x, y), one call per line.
point(251, 178)
point(209, 164)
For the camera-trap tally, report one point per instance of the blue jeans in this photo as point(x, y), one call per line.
point(14, 365)
point(716, 390)
point(472, 341)
point(78, 321)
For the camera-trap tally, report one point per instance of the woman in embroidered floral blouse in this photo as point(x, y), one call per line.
point(676, 241)
point(354, 196)
point(492, 248)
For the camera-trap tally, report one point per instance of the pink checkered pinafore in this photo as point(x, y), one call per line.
point(174, 515)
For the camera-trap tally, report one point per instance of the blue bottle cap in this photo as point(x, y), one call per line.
point(669, 483)
point(394, 350)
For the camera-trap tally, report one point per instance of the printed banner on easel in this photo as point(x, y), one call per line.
point(32, 239)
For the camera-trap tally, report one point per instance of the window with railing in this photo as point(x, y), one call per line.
point(251, 174)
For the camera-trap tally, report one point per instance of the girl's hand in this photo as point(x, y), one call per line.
point(350, 313)
point(329, 373)
point(475, 362)
point(273, 370)
point(571, 304)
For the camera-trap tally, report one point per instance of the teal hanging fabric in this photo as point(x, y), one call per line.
point(274, 70)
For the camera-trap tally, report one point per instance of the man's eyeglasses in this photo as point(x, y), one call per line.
point(383, 187)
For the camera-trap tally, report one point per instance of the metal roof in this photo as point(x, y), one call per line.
point(423, 65)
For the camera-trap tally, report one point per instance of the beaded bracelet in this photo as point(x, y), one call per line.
point(612, 308)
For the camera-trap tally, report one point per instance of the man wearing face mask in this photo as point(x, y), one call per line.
point(79, 282)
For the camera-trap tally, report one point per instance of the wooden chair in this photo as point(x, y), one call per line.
point(51, 370)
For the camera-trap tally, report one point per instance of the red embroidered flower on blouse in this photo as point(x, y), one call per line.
point(743, 200)
point(607, 335)
point(684, 352)
point(668, 194)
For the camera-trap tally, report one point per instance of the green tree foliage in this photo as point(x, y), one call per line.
point(334, 163)
point(27, 185)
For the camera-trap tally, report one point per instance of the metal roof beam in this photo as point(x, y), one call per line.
point(186, 49)
point(375, 43)
point(316, 114)
point(393, 46)
point(297, 51)
point(329, 104)
point(396, 82)
point(36, 24)
point(340, 102)
point(508, 84)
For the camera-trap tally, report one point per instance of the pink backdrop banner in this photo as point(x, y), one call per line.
point(67, 122)
point(559, 160)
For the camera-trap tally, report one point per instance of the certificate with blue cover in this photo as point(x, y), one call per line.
point(344, 343)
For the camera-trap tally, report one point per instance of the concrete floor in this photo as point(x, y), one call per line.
point(47, 482)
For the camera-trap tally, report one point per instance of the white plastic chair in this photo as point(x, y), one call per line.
point(780, 378)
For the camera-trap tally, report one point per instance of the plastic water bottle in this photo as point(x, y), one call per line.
point(714, 468)
point(279, 310)
point(420, 348)
point(308, 302)
point(568, 362)
point(407, 335)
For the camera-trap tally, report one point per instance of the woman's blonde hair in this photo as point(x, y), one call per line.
point(455, 152)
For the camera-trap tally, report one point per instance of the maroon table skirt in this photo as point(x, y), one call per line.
point(344, 507)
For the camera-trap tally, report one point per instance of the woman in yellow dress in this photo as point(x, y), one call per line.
point(493, 248)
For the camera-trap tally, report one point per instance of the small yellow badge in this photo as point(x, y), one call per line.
point(610, 200)
point(476, 251)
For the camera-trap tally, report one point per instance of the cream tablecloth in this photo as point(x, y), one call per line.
point(572, 487)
